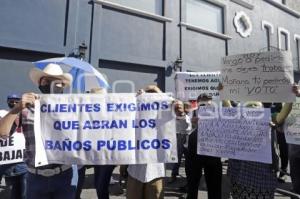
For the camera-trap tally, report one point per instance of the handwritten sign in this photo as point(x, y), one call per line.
point(292, 132)
point(235, 133)
point(105, 129)
point(266, 77)
point(189, 85)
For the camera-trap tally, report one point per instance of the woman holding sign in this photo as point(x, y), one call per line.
point(251, 179)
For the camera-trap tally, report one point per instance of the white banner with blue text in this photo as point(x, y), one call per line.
point(97, 129)
point(236, 133)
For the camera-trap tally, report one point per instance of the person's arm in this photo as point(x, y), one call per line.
point(8, 120)
point(285, 111)
point(225, 103)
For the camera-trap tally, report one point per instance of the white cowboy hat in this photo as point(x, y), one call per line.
point(51, 70)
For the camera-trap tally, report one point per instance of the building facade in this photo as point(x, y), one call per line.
point(140, 42)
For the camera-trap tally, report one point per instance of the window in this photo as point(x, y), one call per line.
point(242, 24)
point(268, 34)
point(284, 41)
point(152, 6)
point(269, 28)
point(298, 53)
point(205, 15)
point(297, 40)
point(280, 1)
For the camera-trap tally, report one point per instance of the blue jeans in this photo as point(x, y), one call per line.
point(102, 180)
point(15, 169)
point(15, 176)
point(181, 138)
point(54, 187)
point(18, 186)
point(3, 169)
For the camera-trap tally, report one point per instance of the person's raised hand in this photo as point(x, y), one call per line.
point(141, 91)
point(220, 87)
point(178, 107)
point(26, 101)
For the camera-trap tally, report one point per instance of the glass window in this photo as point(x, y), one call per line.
point(205, 15)
point(268, 34)
point(152, 6)
point(280, 1)
point(298, 53)
point(284, 41)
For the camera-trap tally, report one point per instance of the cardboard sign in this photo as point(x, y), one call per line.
point(235, 133)
point(189, 85)
point(266, 77)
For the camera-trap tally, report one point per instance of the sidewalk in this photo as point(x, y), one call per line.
point(172, 191)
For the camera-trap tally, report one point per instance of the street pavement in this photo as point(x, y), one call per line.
point(172, 190)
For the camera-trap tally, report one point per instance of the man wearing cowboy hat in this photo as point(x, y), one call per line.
point(50, 181)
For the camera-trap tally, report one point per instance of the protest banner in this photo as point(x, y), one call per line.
point(292, 125)
point(91, 129)
point(235, 133)
point(12, 149)
point(189, 85)
point(266, 77)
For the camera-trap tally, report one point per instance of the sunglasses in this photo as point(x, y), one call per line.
point(48, 81)
point(13, 101)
